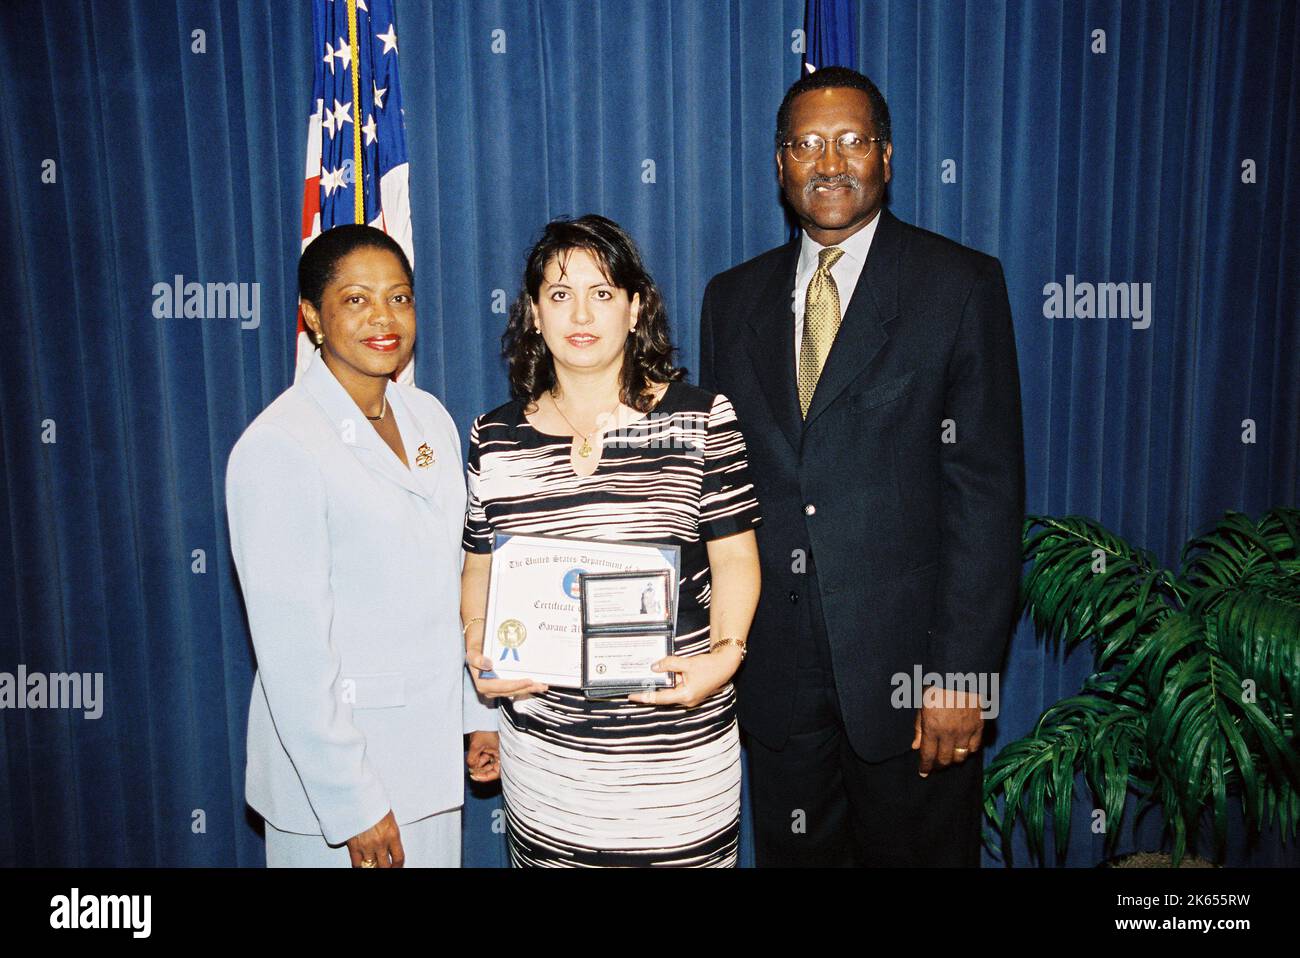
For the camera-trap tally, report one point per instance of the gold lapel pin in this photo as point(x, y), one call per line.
point(424, 456)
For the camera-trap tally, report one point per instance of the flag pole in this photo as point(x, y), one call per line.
point(358, 181)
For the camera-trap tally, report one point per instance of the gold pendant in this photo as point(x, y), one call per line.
point(585, 450)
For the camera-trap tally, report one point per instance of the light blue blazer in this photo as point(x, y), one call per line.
point(349, 563)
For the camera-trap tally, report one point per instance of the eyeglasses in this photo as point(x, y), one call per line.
point(851, 146)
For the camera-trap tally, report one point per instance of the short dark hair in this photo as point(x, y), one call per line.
point(320, 260)
point(647, 354)
point(834, 77)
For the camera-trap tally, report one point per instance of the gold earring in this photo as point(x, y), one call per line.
point(320, 339)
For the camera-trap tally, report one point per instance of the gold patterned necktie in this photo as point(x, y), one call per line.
point(821, 321)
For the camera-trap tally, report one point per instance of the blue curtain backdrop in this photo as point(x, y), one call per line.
point(134, 150)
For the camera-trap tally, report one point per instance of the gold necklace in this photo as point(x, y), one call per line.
point(585, 449)
point(383, 408)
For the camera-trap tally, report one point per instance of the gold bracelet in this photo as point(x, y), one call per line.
point(738, 643)
point(477, 618)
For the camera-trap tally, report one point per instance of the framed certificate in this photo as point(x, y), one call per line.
point(627, 625)
point(534, 626)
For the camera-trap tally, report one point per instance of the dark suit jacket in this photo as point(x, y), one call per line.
point(916, 540)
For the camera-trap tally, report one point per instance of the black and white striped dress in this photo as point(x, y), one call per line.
point(619, 783)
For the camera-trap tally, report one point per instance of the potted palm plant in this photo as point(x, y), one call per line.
point(1191, 704)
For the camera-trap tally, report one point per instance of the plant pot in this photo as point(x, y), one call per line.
point(1156, 860)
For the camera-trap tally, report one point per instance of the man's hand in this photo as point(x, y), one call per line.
point(949, 728)
point(484, 756)
point(379, 846)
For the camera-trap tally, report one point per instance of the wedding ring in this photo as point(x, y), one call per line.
point(369, 863)
point(963, 751)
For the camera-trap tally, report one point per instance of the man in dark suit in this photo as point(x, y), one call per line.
point(873, 368)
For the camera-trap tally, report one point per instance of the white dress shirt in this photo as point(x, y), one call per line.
point(845, 273)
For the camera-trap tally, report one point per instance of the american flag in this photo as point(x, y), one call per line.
point(356, 124)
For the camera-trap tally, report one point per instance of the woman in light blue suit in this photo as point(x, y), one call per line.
point(346, 501)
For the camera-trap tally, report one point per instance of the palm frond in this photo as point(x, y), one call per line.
point(1193, 699)
point(1204, 737)
point(1086, 583)
point(1237, 549)
point(1039, 769)
point(1259, 633)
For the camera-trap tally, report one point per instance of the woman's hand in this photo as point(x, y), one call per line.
point(733, 568)
point(699, 676)
point(495, 688)
point(484, 756)
point(473, 605)
point(379, 846)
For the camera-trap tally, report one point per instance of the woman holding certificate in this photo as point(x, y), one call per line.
point(604, 441)
point(346, 504)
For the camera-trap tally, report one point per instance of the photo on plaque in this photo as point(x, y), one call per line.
point(613, 599)
point(628, 621)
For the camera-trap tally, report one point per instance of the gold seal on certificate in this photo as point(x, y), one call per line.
point(511, 634)
point(535, 626)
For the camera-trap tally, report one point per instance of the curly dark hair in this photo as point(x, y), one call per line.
point(648, 352)
point(834, 76)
